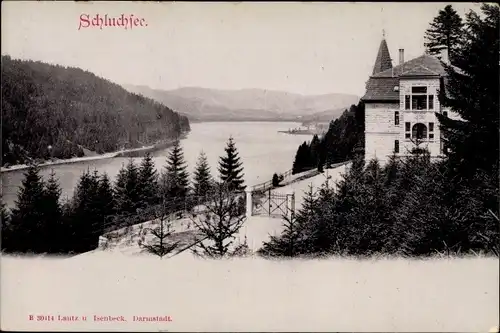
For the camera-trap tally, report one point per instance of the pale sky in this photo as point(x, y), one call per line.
point(307, 48)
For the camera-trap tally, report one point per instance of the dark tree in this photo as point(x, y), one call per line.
point(302, 159)
point(231, 169)
point(276, 180)
point(148, 180)
point(202, 180)
point(127, 189)
point(55, 234)
point(472, 92)
point(7, 240)
point(445, 30)
point(106, 198)
point(176, 177)
point(28, 216)
point(88, 219)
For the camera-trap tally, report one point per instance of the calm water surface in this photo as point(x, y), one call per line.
point(262, 149)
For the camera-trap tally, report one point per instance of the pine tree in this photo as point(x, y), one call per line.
point(472, 92)
point(298, 163)
point(315, 150)
point(127, 189)
point(202, 180)
point(160, 244)
point(230, 168)
point(119, 191)
point(446, 29)
point(53, 214)
point(219, 223)
point(7, 235)
point(148, 180)
point(106, 198)
point(176, 177)
point(28, 215)
point(88, 224)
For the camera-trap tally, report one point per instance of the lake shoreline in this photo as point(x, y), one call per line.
point(120, 153)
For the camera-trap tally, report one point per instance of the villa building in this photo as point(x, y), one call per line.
point(400, 105)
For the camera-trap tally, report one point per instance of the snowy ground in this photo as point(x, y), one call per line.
point(252, 294)
point(302, 186)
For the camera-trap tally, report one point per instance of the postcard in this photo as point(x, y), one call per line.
point(249, 166)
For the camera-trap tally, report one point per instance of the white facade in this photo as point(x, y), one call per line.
point(391, 127)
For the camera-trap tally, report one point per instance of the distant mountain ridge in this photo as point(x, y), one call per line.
point(204, 104)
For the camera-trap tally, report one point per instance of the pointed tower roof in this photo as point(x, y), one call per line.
point(383, 61)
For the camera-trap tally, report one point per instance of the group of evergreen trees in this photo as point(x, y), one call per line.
point(344, 138)
point(413, 206)
point(40, 223)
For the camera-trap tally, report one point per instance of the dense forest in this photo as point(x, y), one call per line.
point(51, 111)
point(344, 138)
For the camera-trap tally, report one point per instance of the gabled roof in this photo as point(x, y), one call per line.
point(380, 86)
point(383, 60)
point(429, 62)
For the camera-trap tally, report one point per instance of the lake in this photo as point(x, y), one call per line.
point(261, 148)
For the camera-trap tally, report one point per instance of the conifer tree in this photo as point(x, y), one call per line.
point(472, 92)
point(230, 167)
point(176, 178)
point(7, 231)
point(446, 29)
point(219, 223)
point(300, 159)
point(148, 180)
point(119, 191)
point(160, 244)
point(315, 151)
point(88, 224)
point(28, 215)
point(53, 214)
point(202, 180)
point(105, 194)
point(127, 189)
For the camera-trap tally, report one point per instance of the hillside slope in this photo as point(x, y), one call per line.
point(50, 111)
point(245, 104)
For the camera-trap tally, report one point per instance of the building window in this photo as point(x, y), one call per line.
point(407, 102)
point(431, 135)
point(419, 131)
point(431, 127)
point(445, 113)
point(419, 90)
point(419, 99)
point(396, 146)
point(396, 118)
point(407, 130)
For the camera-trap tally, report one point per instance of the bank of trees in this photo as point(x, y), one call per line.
point(41, 223)
point(55, 112)
point(413, 206)
point(344, 138)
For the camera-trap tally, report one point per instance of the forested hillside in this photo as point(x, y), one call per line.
point(54, 112)
point(344, 138)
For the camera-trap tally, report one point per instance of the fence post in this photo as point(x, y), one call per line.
point(269, 200)
point(248, 192)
